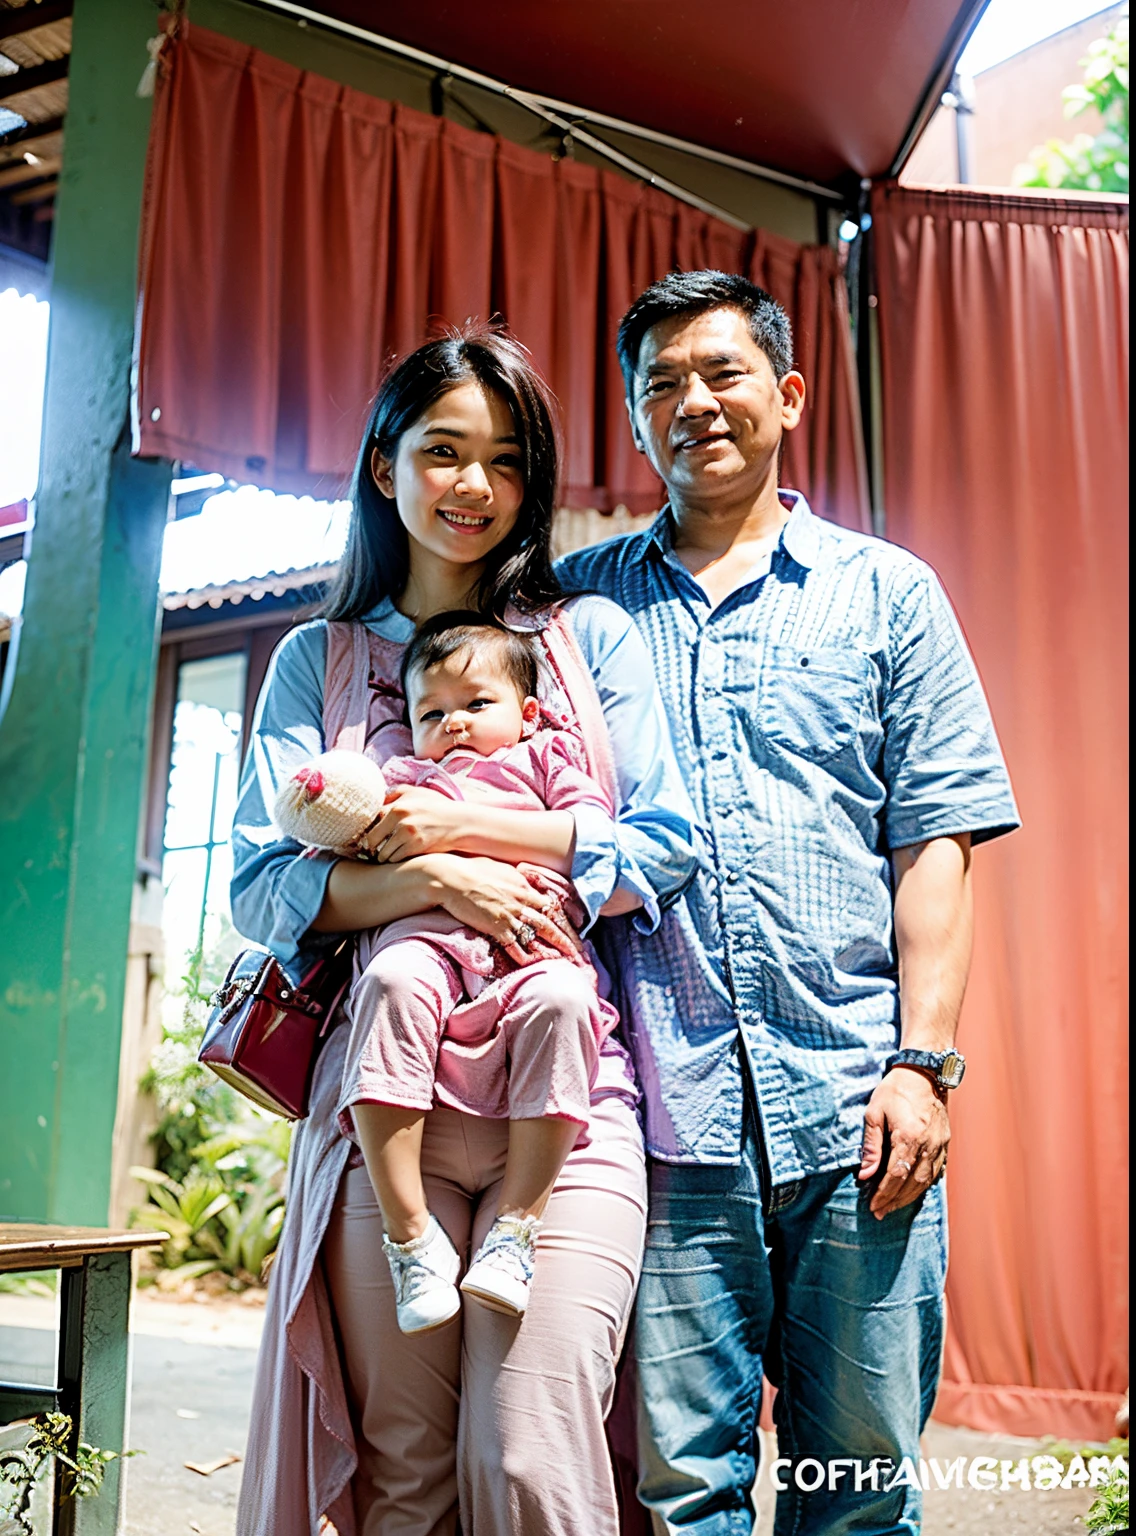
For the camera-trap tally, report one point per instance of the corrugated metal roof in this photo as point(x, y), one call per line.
point(273, 584)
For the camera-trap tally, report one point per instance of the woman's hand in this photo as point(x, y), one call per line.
point(415, 821)
point(497, 900)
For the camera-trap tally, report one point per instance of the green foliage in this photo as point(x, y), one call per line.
point(192, 1103)
point(218, 1189)
point(30, 1282)
point(1085, 163)
point(21, 1469)
point(1065, 1452)
point(1109, 1511)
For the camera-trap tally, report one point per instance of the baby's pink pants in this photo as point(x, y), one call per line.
point(525, 1047)
point(504, 1415)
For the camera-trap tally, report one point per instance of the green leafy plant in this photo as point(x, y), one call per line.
point(1109, 1511)
point(218, 1188)
point(192, 1103)
point(30, 1282)
point(48, 1440)
point(184, 1210)
point(1087, 163)
point(1065, 1452)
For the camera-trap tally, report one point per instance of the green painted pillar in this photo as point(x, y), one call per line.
point(73, 736)
point(100, 1297)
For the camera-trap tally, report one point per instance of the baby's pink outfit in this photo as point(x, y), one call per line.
point(440, 1014)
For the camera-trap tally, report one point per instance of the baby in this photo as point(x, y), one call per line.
point(523, 1039)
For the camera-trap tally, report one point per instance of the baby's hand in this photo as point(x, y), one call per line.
point(415, 821)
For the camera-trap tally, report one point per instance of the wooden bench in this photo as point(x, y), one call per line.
point(93, 1358)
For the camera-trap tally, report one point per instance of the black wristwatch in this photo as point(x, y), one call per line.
point(945, 1067)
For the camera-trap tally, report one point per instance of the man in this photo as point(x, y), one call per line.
point(793, 1021)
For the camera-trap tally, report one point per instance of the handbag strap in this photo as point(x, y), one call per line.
point(346, 696)
point(577, 681)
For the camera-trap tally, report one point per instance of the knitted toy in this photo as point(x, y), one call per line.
point(331, 801)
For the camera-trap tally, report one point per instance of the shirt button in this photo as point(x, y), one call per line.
point(733, 877)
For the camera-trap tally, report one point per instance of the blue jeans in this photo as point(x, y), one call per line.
point(842, 1312)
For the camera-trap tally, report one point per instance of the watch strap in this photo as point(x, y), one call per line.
point(945, 1067)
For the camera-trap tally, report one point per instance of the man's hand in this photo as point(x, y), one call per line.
point(907, 1117)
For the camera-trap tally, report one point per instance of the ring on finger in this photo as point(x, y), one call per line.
point(526, 933)
point(904, 1164)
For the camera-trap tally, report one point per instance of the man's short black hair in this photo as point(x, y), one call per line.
point(693, 293)
point(446, 634)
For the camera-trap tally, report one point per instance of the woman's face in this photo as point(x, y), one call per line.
point(457, 476)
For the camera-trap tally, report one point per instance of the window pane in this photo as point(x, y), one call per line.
point(202, 798)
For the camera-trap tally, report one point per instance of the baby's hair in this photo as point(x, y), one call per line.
point(446, 634)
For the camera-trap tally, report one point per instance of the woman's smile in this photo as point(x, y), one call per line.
point(465, 522)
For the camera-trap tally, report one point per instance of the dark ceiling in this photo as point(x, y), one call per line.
point(828, 90)
point(824, 89)
point(35, 47)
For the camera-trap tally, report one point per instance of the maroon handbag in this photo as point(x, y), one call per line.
point(263, 1035)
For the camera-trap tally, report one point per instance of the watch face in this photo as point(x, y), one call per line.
point(951, 1072)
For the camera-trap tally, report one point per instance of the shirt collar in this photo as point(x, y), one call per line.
point(800, 537)
point(385, 621)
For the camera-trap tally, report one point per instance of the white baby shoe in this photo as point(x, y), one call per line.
point(501, 1275)
point(424, 1271)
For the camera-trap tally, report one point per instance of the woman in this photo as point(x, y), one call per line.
point(379, 1431)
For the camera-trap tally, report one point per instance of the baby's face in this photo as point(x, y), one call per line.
point(465, 701)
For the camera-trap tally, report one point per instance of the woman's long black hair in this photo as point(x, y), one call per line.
point(376, 561)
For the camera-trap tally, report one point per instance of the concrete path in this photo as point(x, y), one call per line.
point(192, 1384)
point(191, 1388)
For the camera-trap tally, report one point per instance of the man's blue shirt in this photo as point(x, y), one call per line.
point(824, 714)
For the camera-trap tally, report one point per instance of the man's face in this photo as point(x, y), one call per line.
point(707, 409)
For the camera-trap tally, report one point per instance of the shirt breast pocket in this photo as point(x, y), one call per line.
point(811, 702)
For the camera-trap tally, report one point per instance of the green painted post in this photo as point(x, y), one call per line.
point(104, 1387)
point(72, 740)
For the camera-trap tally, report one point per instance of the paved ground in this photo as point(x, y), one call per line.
point(192, 1381)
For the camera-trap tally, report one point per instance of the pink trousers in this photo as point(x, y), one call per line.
point(525, 1046)
point(500, 1417)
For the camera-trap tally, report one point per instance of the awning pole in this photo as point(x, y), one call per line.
point(702, 151)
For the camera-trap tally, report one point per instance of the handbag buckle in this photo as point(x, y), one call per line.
point(230, 991)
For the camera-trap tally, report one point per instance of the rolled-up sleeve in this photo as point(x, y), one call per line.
point(278, 887)
point(943, 768)
point(650, 850)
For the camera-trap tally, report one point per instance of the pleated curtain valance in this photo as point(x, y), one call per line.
point(298, 235)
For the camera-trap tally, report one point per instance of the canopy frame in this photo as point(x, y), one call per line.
point(567, 116)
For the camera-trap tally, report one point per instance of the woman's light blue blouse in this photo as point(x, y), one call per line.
point(648, 850)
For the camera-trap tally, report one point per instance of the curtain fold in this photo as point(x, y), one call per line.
point(298, 234)
point(1003, 330)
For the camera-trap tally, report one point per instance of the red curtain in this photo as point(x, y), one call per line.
point(297, 234)
point(1004, 339)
